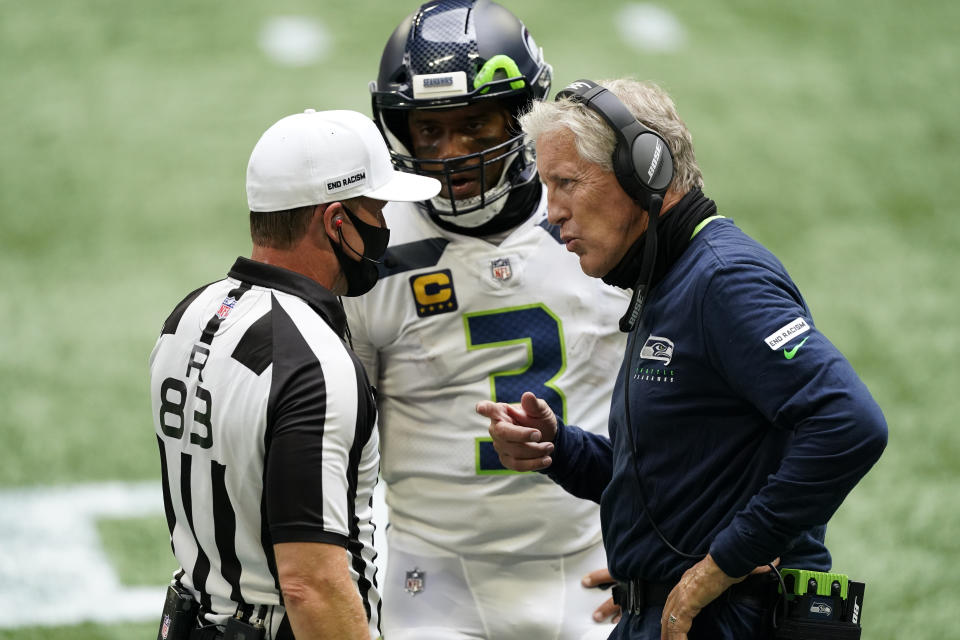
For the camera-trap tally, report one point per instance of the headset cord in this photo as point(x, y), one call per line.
point(346, 325)
point(783, 595)
point(628, 323)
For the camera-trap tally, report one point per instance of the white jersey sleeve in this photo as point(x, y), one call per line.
point(455, 320)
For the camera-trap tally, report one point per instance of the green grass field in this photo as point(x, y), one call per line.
point(827, 129)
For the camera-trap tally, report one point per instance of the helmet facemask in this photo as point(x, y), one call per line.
point(518, 167)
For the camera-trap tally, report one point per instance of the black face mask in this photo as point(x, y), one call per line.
point(362, 275)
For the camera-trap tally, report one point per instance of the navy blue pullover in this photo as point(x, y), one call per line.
point(750, 426)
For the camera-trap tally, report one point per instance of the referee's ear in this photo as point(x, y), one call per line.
point(324, 221)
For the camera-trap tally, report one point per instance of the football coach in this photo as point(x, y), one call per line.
point(736, 427)
point(264, 417)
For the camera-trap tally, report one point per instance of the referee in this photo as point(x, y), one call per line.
point(264, 418)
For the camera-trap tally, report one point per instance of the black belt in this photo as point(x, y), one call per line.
point(214, 632)
point(634, 596)
point(208, 632)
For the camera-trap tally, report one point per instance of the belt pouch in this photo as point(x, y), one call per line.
point(179, 614)
point(237, 629)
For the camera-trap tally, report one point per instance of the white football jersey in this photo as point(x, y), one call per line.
point(454, 320)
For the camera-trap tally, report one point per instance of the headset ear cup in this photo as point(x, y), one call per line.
point(622, 162)
point(641, 159)
point(652, 162)
point(623, 168)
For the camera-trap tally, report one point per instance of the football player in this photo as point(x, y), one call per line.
point(478, 299)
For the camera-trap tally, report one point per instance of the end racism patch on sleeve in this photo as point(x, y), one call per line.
point(787, 332)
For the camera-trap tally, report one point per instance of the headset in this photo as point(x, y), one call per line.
point(643, 165)
point(642, 160)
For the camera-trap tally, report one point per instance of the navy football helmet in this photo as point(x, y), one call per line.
point(453, 53)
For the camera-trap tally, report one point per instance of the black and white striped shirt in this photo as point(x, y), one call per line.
point(266, 427)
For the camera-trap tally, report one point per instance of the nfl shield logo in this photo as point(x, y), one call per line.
point(500, 268)
point(226, 307)
point(414, 582)
point(165, 629)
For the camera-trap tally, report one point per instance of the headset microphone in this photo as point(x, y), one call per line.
point(645, 278)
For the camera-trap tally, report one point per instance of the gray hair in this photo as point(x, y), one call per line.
point(595, 140)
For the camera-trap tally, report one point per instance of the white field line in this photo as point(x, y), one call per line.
point(53, 568)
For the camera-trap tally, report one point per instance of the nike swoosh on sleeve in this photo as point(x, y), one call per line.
point(789, 353)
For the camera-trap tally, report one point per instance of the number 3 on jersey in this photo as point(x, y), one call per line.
point(540, 330)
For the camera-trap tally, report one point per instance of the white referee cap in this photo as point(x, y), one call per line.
point(325, 156)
